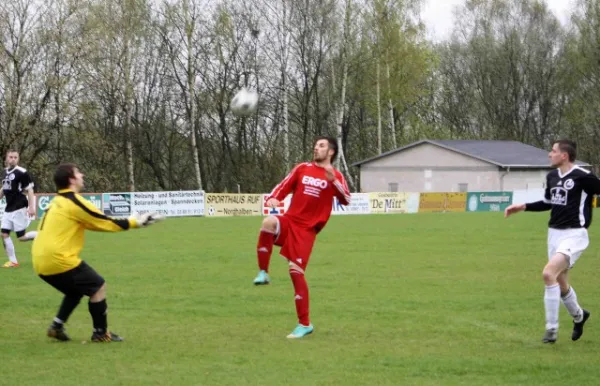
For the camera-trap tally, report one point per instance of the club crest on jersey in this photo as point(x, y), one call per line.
point(11, 176)
point(316, 182)
point(6, 185)
point(559, 196)
point(569, 184)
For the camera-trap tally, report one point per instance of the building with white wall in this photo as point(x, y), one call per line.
point(456, 166)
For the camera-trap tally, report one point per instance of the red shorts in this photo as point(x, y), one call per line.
point(296, 242)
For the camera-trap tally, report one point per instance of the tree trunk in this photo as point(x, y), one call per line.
point(342, 107)
point(191, 80)
point(378, 90)
point(284, 91)
point(392, 124)
point(127, 104)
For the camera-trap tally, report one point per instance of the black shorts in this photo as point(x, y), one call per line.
point(81, 280)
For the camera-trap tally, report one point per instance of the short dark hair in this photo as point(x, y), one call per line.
point(63, 175)
point(333, 144)
point(11, 151)
point(569, 147)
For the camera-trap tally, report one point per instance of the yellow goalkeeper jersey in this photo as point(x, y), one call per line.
point(60, 235)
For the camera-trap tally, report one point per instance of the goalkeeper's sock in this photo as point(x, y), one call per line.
point(264, 249)
point(68, 305)
point(99, 318)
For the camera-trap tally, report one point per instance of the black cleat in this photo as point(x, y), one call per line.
point(106, 337)
point(58, 333)
point(578, 327)
point(550, 336)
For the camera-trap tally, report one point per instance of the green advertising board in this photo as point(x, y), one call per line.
point(95, 199)
point(43, 200)
point(488, 201)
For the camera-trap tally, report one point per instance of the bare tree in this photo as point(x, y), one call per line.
point(181, 37)
point(506, 59)
point(120, 26)
point(279, 16)
point(345, 46)
point(24, 93)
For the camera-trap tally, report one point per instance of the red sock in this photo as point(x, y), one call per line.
point(264, 248)
point(301, 297)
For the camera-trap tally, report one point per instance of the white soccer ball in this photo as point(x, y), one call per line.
point(244, 102)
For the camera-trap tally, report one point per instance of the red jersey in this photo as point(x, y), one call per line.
point(312, 194)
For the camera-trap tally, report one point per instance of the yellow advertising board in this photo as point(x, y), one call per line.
point(226, 204)
point(443, 202)
point(393, 202)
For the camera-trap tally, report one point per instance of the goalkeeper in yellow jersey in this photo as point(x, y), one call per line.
point(59, 241)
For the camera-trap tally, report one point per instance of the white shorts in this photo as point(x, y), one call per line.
point(15, 221)
point(569, 242)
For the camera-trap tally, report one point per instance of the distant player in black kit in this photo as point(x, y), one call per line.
point(16, 182)
point(569, 193)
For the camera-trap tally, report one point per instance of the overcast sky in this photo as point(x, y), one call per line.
point(437, 15)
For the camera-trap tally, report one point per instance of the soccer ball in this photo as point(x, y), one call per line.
point(244, 102)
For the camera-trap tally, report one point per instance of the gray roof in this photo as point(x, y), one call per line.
point(500, 153)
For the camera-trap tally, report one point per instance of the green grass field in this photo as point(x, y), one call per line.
point(422, 299)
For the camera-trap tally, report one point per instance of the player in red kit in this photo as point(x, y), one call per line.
point(313, 186)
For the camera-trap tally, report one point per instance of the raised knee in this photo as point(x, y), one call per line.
point(270, 223)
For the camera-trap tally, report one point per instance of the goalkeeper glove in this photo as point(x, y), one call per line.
point(143, 220)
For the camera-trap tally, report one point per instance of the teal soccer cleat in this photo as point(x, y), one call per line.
point(301, 331)
point(262, 278)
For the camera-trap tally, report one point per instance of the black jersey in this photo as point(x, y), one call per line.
point(14, 182)
point(569, 196)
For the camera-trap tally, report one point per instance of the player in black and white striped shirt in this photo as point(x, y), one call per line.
point(569, 193)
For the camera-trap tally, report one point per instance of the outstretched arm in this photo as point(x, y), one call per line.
point(537, 206)
point(93, 219)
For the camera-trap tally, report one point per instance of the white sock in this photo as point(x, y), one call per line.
point(570, 302)
point(552, 304)
point(29, 236)
point(9, 247)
